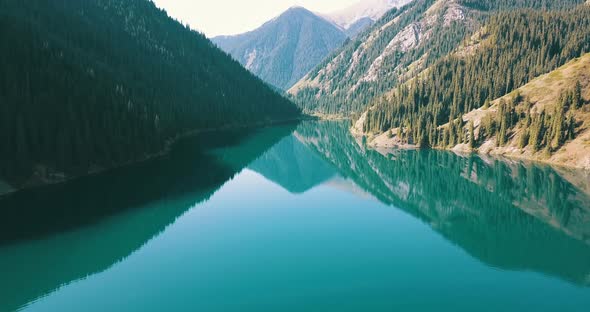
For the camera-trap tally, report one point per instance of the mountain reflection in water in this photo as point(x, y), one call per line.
point(510, 215)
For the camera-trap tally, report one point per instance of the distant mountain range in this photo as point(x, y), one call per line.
point(286, 48)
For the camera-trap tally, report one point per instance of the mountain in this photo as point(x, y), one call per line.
point(562, 94)
point(357, 27)
point(483, 96)
point(365, 10)
point(89, 85)
point(284, 49)
point(400, 45)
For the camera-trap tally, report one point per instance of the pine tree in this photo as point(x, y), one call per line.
point(523, 139)
point(536, 132)
point(471, 135)
point(577, 95)
point(502, 119)
point(571, 131)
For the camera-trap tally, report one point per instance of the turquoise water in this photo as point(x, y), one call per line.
point(301, 219)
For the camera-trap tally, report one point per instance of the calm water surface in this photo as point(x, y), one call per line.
point(301, 219)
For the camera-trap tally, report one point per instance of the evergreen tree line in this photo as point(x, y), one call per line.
point(341, 89)
point(94, 83)
point(520, 45)
point(547, 130)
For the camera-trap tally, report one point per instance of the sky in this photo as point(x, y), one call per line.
point(230, 17)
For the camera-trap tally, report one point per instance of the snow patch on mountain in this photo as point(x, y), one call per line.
point(373, 9)
point(250, 58)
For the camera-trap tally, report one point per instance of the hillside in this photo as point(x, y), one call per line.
point(93, 84)
point(506, 54)
point(284, 49)
point(544, 95)
point(541, 96)
point(400, 45)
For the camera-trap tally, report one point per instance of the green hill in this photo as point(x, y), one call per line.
point(508, 52)
point(544, 96)
point(88, 85)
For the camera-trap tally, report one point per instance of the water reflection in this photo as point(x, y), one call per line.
point(291, 164)
point(54, 235)
point(510, 215)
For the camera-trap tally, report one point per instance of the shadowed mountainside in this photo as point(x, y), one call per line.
point(95, 84)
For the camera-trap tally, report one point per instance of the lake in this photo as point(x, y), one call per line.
point(301, 218)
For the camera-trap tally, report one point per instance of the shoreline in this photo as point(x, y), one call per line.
point(329, 117)
point(499, 156)
point(169, 143)
point(357, 135)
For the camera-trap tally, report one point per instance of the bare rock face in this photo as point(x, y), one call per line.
point(358, 127)
point(395, 46)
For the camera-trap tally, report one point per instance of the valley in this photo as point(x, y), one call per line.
point(295, 155)
point(430, 74)
point(305, 194)
point(111, 83)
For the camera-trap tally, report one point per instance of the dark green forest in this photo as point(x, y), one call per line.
point(344, 92)
point(520, 45)
point(91, 84)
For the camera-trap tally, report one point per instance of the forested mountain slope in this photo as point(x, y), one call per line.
point(284, 49)
point(91, 84)
point(547, 119)
point(399, 46)
point(511, 50)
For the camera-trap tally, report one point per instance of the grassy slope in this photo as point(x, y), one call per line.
point(544, 92)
